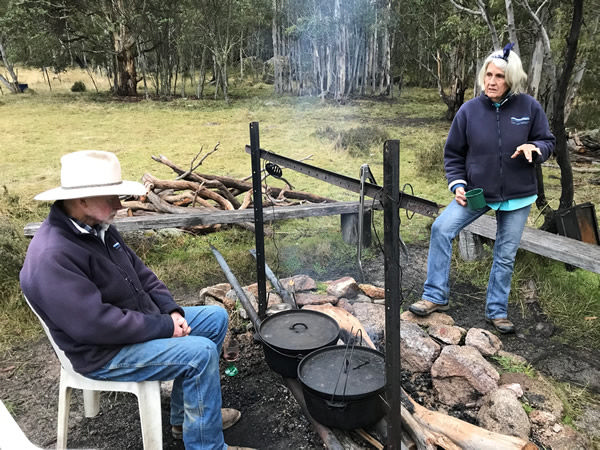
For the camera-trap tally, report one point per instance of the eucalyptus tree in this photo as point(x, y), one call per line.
point(437, 48)
point(9, 38)
point(332, 48)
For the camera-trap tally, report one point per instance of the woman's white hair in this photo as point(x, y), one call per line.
point(515, 76)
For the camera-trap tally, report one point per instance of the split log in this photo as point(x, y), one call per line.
point(349, 324)
point(463, 434)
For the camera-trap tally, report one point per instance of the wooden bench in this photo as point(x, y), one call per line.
point(126, 224)
point(560, 248)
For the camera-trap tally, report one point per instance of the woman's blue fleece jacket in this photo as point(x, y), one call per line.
point(482, 139)
point(94, 297)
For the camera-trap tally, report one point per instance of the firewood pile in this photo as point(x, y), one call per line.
point(584, 145)
point(193, 192)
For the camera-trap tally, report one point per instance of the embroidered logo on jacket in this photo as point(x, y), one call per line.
point(519, 120)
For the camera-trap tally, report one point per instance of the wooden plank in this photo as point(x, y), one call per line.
point(571, 251)
point(212, 217)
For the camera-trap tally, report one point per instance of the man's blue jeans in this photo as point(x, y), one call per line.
point(510, 225)
point(193, 363)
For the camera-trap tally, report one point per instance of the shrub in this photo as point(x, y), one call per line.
point(13, 246)
point(78, 86)
point(430, 160)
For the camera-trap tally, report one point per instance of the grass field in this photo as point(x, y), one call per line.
point(39, 126)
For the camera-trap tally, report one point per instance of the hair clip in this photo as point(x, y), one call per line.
point(506, 51)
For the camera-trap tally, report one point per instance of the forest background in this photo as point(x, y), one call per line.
point(327, 78)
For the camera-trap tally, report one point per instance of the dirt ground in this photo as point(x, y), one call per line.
point(271, 417)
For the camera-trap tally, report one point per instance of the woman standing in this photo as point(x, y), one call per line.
point(494, 143)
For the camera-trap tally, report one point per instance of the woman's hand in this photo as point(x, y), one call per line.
point(180, 325)
point(527, 151)
point(459, 196)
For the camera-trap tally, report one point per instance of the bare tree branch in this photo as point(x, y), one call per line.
point(465, 9)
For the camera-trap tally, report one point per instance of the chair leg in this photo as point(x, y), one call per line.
point(64, 404)
point(150, 414)
point(91, 402)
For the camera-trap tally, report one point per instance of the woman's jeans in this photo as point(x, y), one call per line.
point(193, 363)
point(510, 225)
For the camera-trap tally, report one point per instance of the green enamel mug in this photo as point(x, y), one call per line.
point(475, 198)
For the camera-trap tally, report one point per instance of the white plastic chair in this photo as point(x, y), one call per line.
point(12, 437)
point(147, 392)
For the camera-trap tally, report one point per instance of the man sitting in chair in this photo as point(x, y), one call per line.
point(110, 314)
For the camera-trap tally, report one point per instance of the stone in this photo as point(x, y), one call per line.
point(344, 287)
point(218, 292)
point(567, 439)
point(372, 291)
point(372, 318)
point(515, 387)
point(417, 350)
point(298, 283)
point(361, 298)
point(537, 392)
point(273, 298)
point(544, 419)
point(211, 301)
point(308, 298)
point(344, 303)
point(448, 334)
point(233, 297)
point(502, 412)
point(435, 318)
point(461, 375)
point(486, 342)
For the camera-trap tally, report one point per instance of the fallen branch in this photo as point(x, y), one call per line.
point(203, 192)
point(192, 167)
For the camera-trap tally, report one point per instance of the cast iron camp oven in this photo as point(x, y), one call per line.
point(289, 336)
point(342, 386)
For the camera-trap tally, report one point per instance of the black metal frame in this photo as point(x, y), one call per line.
point(392, 200)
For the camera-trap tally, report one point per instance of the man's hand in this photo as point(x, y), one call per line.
point(180, 325)
point(459, 196)
point(527, 151)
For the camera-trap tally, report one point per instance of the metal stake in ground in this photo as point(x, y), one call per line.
point(391, 225)
point(258, 220)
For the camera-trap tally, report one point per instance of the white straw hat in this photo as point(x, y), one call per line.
point(91, 173)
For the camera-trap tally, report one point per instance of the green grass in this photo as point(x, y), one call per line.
point(509, 365)
point(39, 127)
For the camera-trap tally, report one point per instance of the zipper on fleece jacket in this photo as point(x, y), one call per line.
point(497, 106)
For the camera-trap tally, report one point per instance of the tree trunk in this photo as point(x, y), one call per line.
point(201, 74)
point(276, 63)
point(558, 116)
point(488, 20)
point(45, 72)
point(14, 85)
point(535, 68)
point(510, 22)
point(340, 54)
point(241, 54)
point(126, 77)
